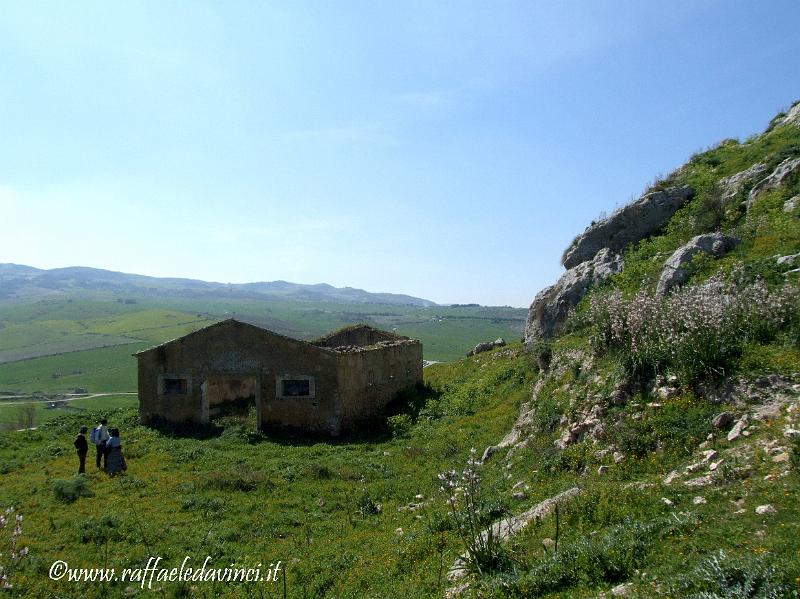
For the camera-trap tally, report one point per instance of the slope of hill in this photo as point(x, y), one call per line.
point(644, 443)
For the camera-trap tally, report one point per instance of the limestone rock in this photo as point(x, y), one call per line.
point(791, 204)
point(792, 117)
point(514, 437)
point(618, 397)
point(602, 470)
point(765, 510)
point(629, 224)
point(774, 180)
point(675, 270)
point(791, 433)
point(700, 482)
point(722, 420)
point(699, 500)
point(551, 305)
point(506, 528)
point(663, 393)
point(738, 428)
point(488, 345)
point(622, 590)
point(781, 458)
point(732, 185)
point(788, 260)
point(667, 502)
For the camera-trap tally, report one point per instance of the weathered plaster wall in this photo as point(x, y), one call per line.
point(233, 359)
point(224, 388)
point(233, 348)
point(369, 380)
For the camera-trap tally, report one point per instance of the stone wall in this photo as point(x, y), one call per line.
point(237, 350)
point(294, 384)
point(369, 380)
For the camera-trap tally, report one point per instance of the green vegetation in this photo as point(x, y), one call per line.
point(72, 489)
point(245, 498)
point(624, 409)
point(698, 332)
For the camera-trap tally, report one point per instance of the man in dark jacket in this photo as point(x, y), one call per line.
point(82, 445)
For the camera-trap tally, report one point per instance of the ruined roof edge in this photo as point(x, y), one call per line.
point(352, 327)
point(228, 321)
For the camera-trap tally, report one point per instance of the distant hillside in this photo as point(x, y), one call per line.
point(19, 281)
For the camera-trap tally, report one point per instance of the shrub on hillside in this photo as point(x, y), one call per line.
point(721, 576)
point(400, 424)
point(607, 558)
point(69, 490)
point(697, 332)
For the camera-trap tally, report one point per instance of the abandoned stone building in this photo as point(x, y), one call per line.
point(325, 386)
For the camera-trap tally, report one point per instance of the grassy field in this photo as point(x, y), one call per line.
point(14, 415)
point(249, 499)
point(336, 514)
point(97, 370)
point(56, 345)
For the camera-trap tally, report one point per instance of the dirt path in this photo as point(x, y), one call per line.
point(65, 397)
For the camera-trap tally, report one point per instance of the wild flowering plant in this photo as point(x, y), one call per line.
point(484, 551)
point(695, 332)
point(15, 555)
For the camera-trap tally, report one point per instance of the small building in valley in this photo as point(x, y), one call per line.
point(329, 385)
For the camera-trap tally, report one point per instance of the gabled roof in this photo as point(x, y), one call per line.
point(232, 322)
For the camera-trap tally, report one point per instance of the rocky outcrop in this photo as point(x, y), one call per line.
point(675, 270)
point(627, 225)
point(551, 306)
point(588, 424)
point(789, 260)
point(792, 117)
point(482, 347)
point(731, 186)
point(791, 204)
point(774, 180)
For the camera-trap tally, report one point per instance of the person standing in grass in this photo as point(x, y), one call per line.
point(100, 437)
point(82, 445)
point(116, 461)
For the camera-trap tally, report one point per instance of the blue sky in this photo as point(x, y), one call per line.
point(449, 150)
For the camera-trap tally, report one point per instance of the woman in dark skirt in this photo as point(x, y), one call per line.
point(115, 462)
